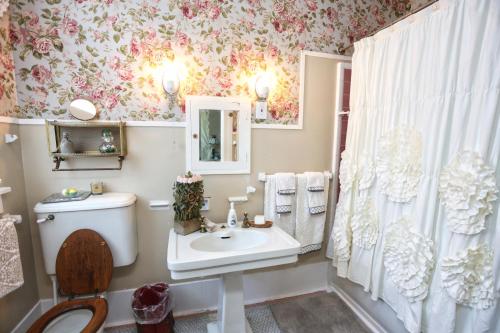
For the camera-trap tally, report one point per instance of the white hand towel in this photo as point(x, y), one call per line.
point(285, 192)
point(315, 186)
point(315, 181)
point(285, 182)
point(284, 203)
point(309, 228)
point(11, 270)
point(284, 221)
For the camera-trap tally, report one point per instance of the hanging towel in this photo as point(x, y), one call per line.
point(315, 181)
point(284, 203)
point(315, 186)
point(284, 221)
point(285, 192)
point(11, 270)
point(285, 182)
point(309, 227)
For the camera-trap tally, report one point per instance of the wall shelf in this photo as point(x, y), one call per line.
point(85, 140)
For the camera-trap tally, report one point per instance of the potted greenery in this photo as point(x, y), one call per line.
point(188, 196)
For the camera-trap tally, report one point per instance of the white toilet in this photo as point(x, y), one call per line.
point(101, 227)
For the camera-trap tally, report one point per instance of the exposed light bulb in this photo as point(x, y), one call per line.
point(173, 73)
point(264, 82)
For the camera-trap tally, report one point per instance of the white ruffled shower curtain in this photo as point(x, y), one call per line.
point(417, 223)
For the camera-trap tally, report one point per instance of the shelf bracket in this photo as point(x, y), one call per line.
point(57, 167)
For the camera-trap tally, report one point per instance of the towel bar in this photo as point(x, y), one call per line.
point(262, 175)
point(17, 218)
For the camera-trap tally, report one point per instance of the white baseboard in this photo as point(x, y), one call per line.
point(372, 324)
point(29, 319)
point(201, 296)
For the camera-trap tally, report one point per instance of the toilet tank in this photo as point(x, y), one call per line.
point(112, 215)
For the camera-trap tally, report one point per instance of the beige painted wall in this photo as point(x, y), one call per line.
point(157, 156)
point(15, 305)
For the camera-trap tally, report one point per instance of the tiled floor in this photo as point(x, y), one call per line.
point(318, 313)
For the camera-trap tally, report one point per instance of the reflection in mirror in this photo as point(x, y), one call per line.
point(231, 147)
point(218, 135)
point(210, 135)
point(82, 109)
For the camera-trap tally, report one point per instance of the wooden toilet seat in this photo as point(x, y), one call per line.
point(84, 266)
point(98, 306)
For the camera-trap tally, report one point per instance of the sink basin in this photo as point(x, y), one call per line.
point(229, 250)
point(228, 253)
point(231, 240)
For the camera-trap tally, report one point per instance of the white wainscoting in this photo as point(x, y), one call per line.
point(200, 296)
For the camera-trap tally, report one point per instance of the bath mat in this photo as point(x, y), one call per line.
point(260, 317)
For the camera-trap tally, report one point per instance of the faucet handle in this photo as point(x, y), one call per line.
point(246, 222)
point(203, 227)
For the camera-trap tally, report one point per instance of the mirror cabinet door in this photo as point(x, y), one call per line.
point(218, 135)
point(219, 132)
point(210, 135)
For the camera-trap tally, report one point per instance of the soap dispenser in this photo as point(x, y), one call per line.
point(231, 216)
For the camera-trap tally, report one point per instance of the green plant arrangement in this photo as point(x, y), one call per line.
point(188, 197)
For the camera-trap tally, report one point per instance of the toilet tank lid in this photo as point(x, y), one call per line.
point(94, 202)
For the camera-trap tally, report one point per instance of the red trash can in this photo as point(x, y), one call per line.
point(152, 306)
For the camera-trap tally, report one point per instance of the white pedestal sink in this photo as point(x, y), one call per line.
point(228, 253)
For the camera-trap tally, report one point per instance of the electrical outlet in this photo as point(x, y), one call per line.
point(261, 110)
point(206, 204)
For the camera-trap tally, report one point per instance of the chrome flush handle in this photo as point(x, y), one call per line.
point(49, 217)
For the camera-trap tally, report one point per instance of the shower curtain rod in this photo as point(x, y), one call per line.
point(342, 50)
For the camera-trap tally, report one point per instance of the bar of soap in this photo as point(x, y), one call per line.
point(259, 219)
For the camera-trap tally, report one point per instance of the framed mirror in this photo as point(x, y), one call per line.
point(82, 109)
point(218, 135)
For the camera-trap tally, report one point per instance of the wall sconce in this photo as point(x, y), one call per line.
point(264, 82)
point(173, 74)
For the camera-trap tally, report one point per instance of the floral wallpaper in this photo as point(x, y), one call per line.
point(7, 80)
point(113, 51)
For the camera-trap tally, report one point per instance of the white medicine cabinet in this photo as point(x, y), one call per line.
point(218, 135)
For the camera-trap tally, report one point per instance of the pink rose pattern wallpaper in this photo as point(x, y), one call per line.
point(113, 51)
point(7, 80)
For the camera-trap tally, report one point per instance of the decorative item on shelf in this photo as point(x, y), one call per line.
point(108, 146)
point(97, 188)
point(66, 146)
point(246, 221)
point(84, 131)
point(188, 196)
